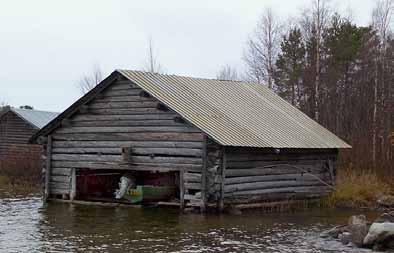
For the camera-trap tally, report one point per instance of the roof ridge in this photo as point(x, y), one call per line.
point(183, 76)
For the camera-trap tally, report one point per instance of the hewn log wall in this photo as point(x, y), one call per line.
point(13, 132)
point(253, 174)
point(123, 116)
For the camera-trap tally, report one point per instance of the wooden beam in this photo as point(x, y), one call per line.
point(204, 175)
point(73, 184)
point(182, 188)
point(223, 179)
point(48, 167)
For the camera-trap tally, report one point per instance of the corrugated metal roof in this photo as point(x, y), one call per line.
point(236, 113)
point(36, 118)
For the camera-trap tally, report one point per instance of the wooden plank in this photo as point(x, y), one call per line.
point(92, 117)
point(192, 186)
point(48, 167)
point(114, 151)
point(116, 165)
point(168, 151)
point(60, 178)
point(203, 184)
point(128, 111)
point(73, 188)
point(134, 144)
point(163, 136)
point(117, 123)
point(128, 92)
point(135, 151)
point(92, 158)
point(223, 179)
point(268, 171)
point(192, 177)
point(269, 185)
point(125, 105)
point(164, 159)
point(267, 178)
point(306, 189)
point(131, 129)
point(60, 171)
point(251, 164)
point(182, 188)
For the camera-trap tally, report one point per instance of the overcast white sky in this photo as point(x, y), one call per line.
point(46, 45)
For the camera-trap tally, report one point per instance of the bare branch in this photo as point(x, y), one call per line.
point(152, 64)
point(227, 73)
point(88, 82)
point(262, 48)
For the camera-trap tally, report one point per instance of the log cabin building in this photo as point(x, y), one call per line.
point(213, 142)
point(17, 126)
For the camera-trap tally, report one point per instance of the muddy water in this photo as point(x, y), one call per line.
point(26, 225)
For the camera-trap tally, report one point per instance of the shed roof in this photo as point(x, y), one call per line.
point(37, 119)
point(232, 113)
point(237, 113)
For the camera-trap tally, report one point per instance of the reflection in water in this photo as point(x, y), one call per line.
point(28, 226)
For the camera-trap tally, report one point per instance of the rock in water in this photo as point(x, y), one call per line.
point(381, 232)
point(386, 201)
point(358, 229)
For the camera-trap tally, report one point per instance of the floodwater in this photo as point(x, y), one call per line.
point(26, 225)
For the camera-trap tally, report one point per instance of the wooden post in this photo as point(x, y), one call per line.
point(182, 188)
point(204, 175)
point(223, 179)
point(73, 184)
point(48, 167)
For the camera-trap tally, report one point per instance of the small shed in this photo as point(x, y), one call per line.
point(17, 126)
point(214, 142)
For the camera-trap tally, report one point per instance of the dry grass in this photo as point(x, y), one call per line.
point(357, 189)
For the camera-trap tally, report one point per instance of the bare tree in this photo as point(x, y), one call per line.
point(152, 64)
point(262, 48)
point(381, 22)
point(88, 82)
point(227, 73)
point(321, 15)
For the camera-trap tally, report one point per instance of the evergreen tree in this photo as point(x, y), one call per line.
point(289, 67)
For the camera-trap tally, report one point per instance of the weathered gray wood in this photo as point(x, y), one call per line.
point(134, 144)
point(60, 171)
point(310, 189)
point(169, 136)
point(93, 158)
point(128, 92)
point(169, 159)
point(192, 177)
point(134, 166)
point(193, 186)
point(203, 184)
point(182, 188)
point(130, 98)
point(268, 171)
point(116, 151)
point(168, 151)
point(136, 111)
point(60, 185)
point(118, 123)
point(132, 129)
point(60, 178)
point(48, 166)
point(73, 188)
point(251, 164)
point(125, 105)
point(93, 117)
point(295, 176)
point(269, 185)
point(223, 179)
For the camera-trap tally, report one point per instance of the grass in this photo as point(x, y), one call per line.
point(357, 189)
